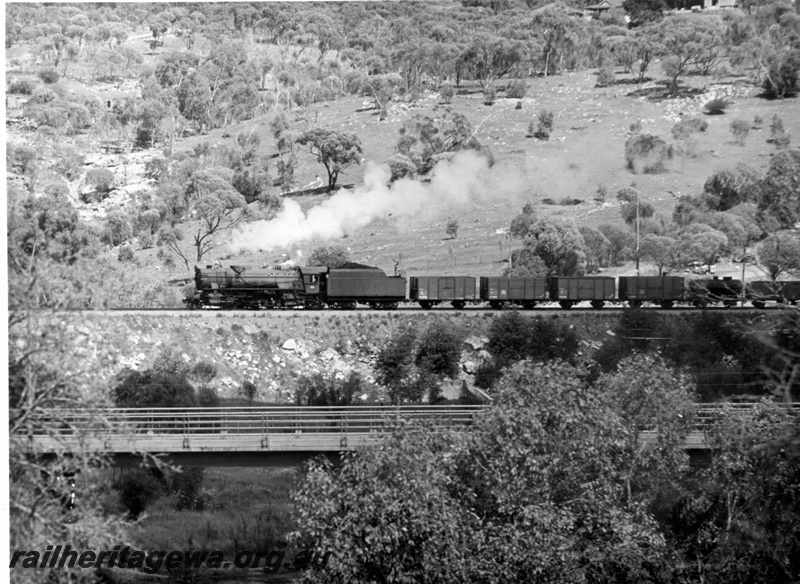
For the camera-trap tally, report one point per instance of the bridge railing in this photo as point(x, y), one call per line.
point(286, 419)
point(252, 420)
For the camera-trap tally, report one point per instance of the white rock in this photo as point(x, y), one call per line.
point(468, 367)
point(289, 345)
point(476, 342)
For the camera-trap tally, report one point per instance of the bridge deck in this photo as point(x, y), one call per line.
point(261, 429)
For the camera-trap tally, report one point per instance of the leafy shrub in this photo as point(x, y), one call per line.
point(452, 227)
point(249, 391)
point(489, 95)
point(333, 256)
point(781, 80)
point(740, 129)
point(49, 75)
point(548, 201)
point(101, 179)
point(516, 89)
point(568, 201)
point(207, 397)
point(447, 92)
point(605, 72)
point(758, 122)
point(320, 390)
point(203, 371)
point(545, 125)
point(126, 254)
point(647, 153)
point(188, 484)
point(22, 86)
point(513, 338)
point(635, 127)
point(439, 350)
point(716, 106)
point(778, 135)
point(696, 123)
point(393, 366)
point(137, 490)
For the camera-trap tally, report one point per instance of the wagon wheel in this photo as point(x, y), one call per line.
point(349, 305)
point(700, 303)
point(565, 304)
point(667, 304)
point(597, 304)
point(426, 304)
point(635, 303)
point(758, 304)
point(458, 304)
point(390, 305)
point(496, 304)
point(528, 305)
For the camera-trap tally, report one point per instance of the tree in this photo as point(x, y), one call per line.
point(780, 253)
point(524, 492)
point(489, 57)
point(559, 245)
point(394, 367)
point(427, 139)
point(779, 201)
point(658, 249)
point(334, 256)
point(643, 12)
point(740, 129)
point(646, 153)
point(335, 150)
point(557, 31)
point(699, 242)
point(632, 207)
point(521, 224)
point(452, 227)
point(208, 205)
point(439, 350)
point(621, 240)
point(597, 247)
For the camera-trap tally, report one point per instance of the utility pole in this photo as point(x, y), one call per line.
point(637, 233)
point(744, 263)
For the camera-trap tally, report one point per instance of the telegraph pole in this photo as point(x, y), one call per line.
point(637, 233)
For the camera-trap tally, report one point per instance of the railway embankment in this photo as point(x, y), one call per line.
point(272, 350)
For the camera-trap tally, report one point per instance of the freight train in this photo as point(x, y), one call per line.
point(242, 287)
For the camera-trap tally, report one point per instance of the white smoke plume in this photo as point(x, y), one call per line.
point(464, 179)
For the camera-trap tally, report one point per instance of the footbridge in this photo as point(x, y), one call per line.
point(256, 436)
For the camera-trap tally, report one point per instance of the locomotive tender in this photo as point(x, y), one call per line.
point(353, 284)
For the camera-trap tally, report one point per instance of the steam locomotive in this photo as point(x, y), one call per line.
point(242, 287)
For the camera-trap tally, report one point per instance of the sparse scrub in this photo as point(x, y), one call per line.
point(777, 133)
point(740, 129)
point(569, 201)
point(489, 95)
point(605, 72)
point(49, 75)
point(647, 153)
point(137, 490)
point(635, 127)
point(248, 391)
point(447, 92)
point(126, 254)
point(516, 89)
point(716, 106)
point(452, 228)
point(22, 86)
point(545, 125)
point(758, 122)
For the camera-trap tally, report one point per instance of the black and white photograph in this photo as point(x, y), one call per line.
point(400, 292)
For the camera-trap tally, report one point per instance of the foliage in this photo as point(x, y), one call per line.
point(780, 253)
point(320, 390)
point(521, 224)
point(489, 95)
point(597, 247)
point(439, 350)
point(716, 106)
point(545, 125)
point(452, 228)
point(516, 89)
point(632, 207)
point(335, 150)
point(249, 391)
point(21, 86)
point(779, 205)
point(424, 139)
point(642, 12)
point(780, 80)
point(740, 129)
point(646, 153)
point(558, 245)
point(778, 134)
point(513, 338)
point(333, 256)
point(447, 92)
point(524, 492)
point(394, 367)
point(49, 75)
point(137, 489)
point(660, 250)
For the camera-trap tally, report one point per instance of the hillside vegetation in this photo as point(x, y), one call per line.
point(146, 138)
